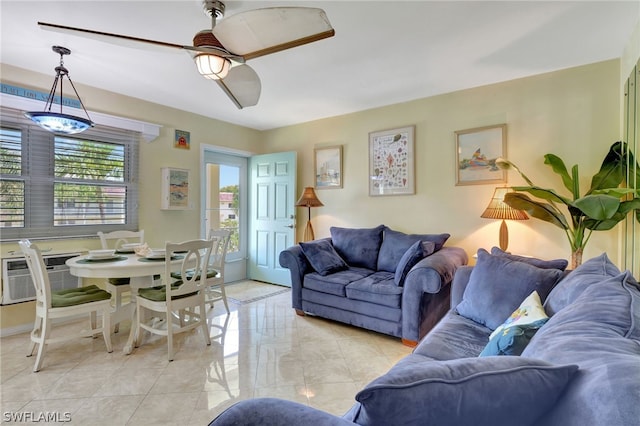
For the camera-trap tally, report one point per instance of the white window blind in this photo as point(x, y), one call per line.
point(65, 186)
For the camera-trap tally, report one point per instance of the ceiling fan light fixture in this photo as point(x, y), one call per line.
point(212, 66)
point(65, 124)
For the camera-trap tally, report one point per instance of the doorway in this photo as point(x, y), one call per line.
point(254, 198)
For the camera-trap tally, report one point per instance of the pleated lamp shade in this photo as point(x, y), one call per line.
point(309, 199)
point(498, 209)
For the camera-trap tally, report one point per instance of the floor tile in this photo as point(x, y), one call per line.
point(260, 349)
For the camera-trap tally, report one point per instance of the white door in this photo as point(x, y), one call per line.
point(272, 191)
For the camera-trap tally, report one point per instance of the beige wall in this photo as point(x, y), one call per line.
point(159, 225)
point(573, 113)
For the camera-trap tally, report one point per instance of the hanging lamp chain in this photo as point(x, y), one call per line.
point(61, 72)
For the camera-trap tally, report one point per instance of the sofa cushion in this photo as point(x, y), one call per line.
point(497, 285)
point(418, 251)
point(453, 337)
point(395, 244)
point(377, 288)
point(469, 391)
point(334, 283)
point(358, 247)
point(323, 257)
point(590, 272)
point(600, 332)
point(544, 264)
point(513, 335)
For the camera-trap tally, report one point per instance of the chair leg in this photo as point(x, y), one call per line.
point(93, 326)
point(35, 337)
point(106, 327)
point(44, 335)
point(170, 339)
point(116, 297)
point(224, 298)
point(203, 321)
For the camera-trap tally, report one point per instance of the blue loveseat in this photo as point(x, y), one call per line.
point(578, 366)
point(375, 278)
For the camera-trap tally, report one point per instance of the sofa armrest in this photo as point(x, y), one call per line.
point(431, 276)
point(293, 259)
point(275, 412)
point(459, 284)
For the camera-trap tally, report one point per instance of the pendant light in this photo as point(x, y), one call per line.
point(58, 122)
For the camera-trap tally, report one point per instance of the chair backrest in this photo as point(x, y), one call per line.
point(38, 271)
point(196, 256)
point(115, 239)
point(220, 239)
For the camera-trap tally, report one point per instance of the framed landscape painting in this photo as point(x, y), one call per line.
point(327, 166)
point(391, 162)
point(476, 153)
point(175, 189)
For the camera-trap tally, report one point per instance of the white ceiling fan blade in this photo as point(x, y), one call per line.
point(263, 31)
point(242, 85)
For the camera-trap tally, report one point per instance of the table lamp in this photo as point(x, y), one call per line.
point(309, 199)
point(498, 209)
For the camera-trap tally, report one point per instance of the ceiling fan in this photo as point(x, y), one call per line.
point(220, 53)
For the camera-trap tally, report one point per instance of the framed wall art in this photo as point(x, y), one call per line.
point(391, 162)
point(327, 166)
point(182, 139)
point(175, 189)
point(476, 153)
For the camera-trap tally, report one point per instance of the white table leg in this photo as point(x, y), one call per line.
point(136, 283)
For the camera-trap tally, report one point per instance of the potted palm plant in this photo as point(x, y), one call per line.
point(603, 206)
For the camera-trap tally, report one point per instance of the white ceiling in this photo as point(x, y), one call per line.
point(383, 52)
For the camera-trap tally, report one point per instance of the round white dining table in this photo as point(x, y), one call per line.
point(140, 270)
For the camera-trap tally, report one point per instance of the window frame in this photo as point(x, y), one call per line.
point(39, 179)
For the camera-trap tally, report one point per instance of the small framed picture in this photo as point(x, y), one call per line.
point(327, 166)
point(391, 162)
point(182, 140)
point(476, 153)
point(175, 189)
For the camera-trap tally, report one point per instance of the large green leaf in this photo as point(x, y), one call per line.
point(545, 194)
point(630, 205)
point(613, 169)
point(598, 207)
point(558, 167)
point(616, 192)
point(537, 209)
point(507, 165)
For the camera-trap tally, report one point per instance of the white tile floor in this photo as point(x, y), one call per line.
point(266, 350)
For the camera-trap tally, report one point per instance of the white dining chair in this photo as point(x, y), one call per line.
point(118, 287)
point(65, 303)
point(180, 305)
point(215, 273)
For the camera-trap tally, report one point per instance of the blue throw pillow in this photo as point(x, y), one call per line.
point(492, 391)
point(592, 271)
point(497, 285)
point(544, 264)
point(395, 244)
point(358, 247)
point(322, 257)
point(414, 254)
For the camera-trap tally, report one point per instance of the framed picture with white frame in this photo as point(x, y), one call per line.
point(391, 162)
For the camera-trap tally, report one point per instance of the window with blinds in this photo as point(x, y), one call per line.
point(64, 186)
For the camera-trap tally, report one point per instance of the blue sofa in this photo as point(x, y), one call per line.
point(578, 366)
point(375, 278)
